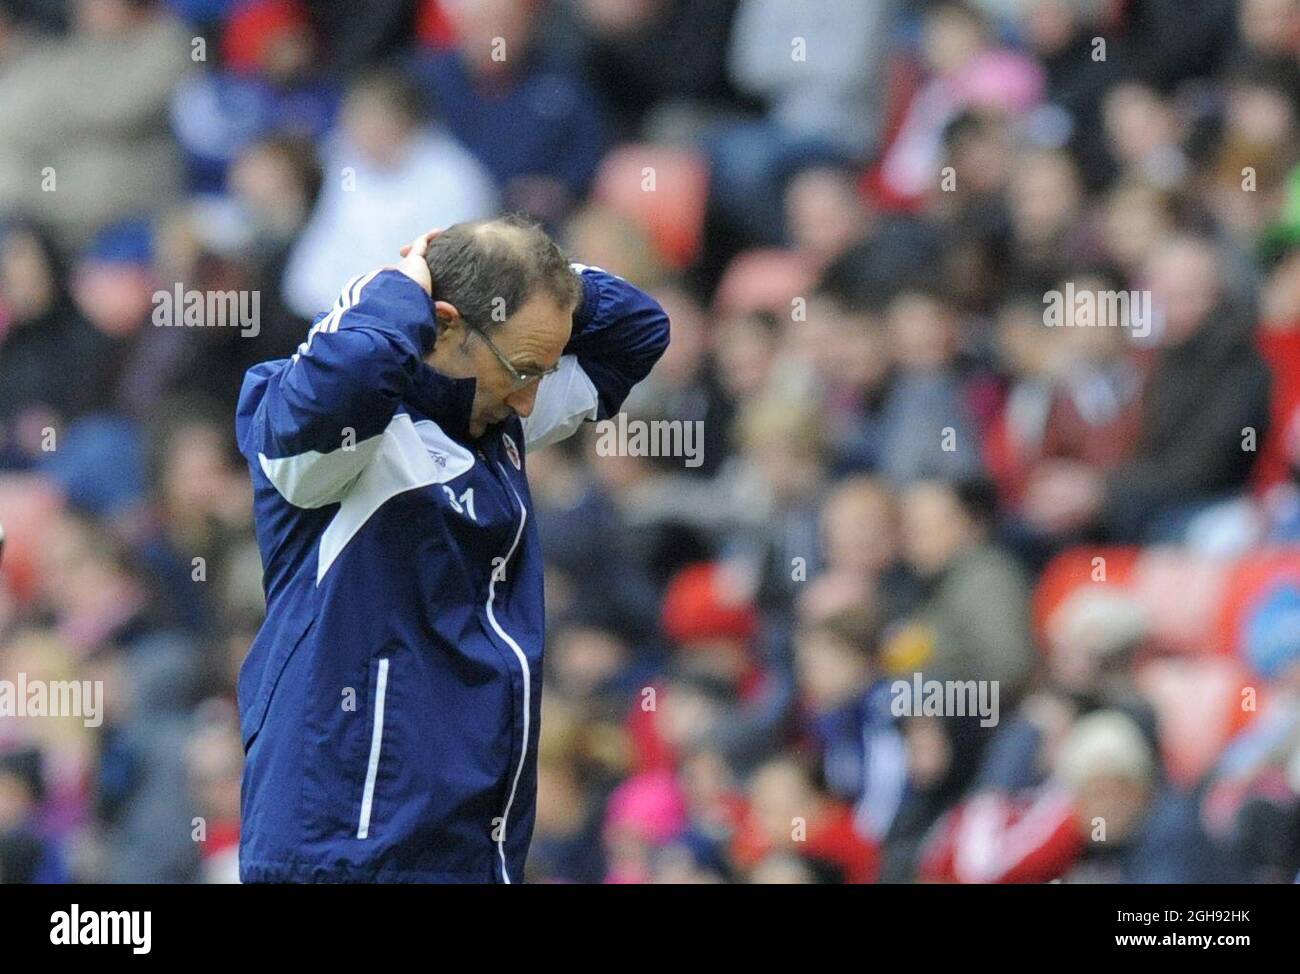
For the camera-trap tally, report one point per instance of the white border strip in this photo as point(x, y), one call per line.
point(376, 741)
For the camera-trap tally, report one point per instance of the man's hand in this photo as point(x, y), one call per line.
point(413, 264)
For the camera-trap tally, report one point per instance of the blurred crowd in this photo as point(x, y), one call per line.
point(856, 213)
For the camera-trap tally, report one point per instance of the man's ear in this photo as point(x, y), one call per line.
point(448, 317)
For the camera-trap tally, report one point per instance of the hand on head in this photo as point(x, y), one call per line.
point(413, 264)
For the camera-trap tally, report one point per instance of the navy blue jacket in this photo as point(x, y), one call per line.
point(390, 703)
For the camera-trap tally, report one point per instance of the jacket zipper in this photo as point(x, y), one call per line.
point(523, 666)
point(376, 745)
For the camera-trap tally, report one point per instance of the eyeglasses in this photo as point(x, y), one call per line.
point(519, 380)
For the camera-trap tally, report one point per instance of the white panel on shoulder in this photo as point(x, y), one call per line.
point(565, 399)
point(314, 479)
point(409, 455)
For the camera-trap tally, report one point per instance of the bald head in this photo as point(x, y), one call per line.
point(488, 269)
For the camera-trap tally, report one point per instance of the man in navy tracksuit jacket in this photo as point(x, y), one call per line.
point(390, 703)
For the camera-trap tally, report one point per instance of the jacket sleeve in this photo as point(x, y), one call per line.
point(313, 421)
point(619, 333)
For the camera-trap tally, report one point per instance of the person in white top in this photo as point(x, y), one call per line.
point(389, 175)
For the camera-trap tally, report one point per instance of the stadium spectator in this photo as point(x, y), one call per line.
point(926, 425)
point(975, 593)
point(967, 69)
point(25, 855)
point(1139, 831)
point(862, 752)
point(657, 61)
point(389, 175)
point(84, 139)
point(535, 123)
point(816, 71)
point(1205, 406)
point(44, 341)
point(266, 85)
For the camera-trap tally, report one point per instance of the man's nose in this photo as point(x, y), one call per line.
point(523, 400)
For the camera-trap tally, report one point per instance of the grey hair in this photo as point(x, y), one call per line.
point(488, 269)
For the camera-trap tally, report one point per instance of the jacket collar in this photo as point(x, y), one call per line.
point(446, 400)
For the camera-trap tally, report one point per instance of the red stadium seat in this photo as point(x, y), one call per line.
point(1074, 568)
point(1197, 603)
point(1249, 580)
point(1182, 591)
